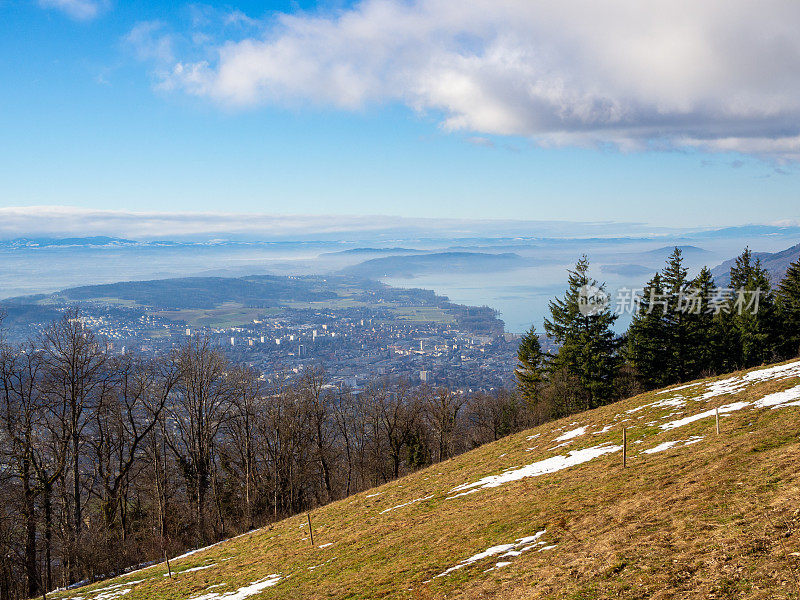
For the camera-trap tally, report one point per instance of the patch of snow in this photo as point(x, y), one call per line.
point(735, 384)
point(492, 551)
point(603, 430)
point(531, 538)
point(110, 592)
point(779, 399)
point(193, 569)
point(373, 495)
point(515, 549)
point(571, 434)
point(326, 545)
point(542, 467)
point(680, 387)
point(709, 413)
point(677, 401)
point(243, 592)
point(406, 504)
point(661, 447)
point(467, 493)
point(561, 445)
point(114, 594)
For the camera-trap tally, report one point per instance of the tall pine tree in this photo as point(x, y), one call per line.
point(752, 310)
point(587, 344)
point(788, 308)
point(704, 334)
point(674, 335)
point(676, 321)
point(647, 343)
point(529, 367)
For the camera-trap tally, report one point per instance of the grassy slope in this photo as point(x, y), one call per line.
point(715, 519)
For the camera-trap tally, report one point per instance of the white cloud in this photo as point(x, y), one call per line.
point(82, 10)
point(66, 221)
point(719, 75)
point(149, 42)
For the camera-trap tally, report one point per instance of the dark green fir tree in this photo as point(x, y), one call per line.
point(647, 340)
point(752, 310)
point(530, 367)
point(705, 338)
point(587, 344)
point(788, 311)
point(676, 319)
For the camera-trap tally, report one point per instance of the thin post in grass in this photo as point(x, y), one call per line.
point(716, 414)
point(310, 531)
point(624, 447)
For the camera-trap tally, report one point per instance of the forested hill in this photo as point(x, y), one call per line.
point(252, 291)
point(548, 513)
point(208, 292)
point(333, 292)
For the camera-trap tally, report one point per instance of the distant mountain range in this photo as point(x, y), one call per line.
point(687, 251)
point(776, 263)
point(368, 251)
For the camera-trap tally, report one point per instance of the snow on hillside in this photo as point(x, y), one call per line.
point(542, 467)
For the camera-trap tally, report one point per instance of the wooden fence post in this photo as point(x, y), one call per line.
point(310, 532)
point(716, 414)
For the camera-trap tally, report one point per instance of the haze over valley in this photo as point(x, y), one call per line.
point(515, 275)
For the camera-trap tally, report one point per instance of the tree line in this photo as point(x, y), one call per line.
point(682, 328)
point(108, 460)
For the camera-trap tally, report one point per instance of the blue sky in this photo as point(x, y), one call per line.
point(98, 109)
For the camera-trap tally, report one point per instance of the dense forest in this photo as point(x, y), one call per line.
point(682, 328)
point(110, 461)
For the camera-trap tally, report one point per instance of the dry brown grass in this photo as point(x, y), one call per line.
point(716, 519)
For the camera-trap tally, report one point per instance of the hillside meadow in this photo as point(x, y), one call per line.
point(547, 513)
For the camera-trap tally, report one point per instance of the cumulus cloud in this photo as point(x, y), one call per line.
point(719, 75)
point(65, 221)
point(149, 42)
point(82, 10)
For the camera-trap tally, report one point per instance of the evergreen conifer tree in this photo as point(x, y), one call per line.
point(676, 321)
point(704, 335)
point(674, 336)
point(752, 308)
point(588, 346)
point(647, 344)
point(530, 366)
point(788, 305)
